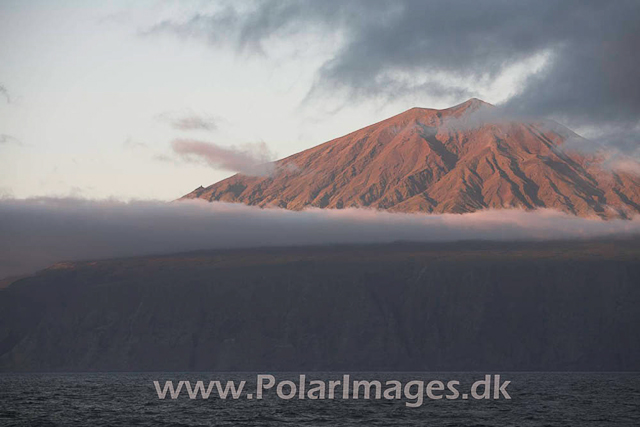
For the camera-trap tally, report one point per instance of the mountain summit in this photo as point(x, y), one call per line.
point(443, 161)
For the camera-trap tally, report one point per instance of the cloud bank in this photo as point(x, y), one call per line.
point(249, 159)
point(35, 233)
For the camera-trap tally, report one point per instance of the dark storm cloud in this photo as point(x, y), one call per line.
point(391, 48)
point(35, 233)
point(246, 30)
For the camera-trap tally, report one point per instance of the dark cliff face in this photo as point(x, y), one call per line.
point(460, 306)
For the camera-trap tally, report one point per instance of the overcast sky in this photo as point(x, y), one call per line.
point(104, 99)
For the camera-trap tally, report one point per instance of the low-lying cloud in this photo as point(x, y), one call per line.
point(249, 159)
point(622, 163)
point(36, 233)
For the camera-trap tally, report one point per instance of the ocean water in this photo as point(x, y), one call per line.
point(130, 399)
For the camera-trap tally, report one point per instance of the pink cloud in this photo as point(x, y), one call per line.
point(249, 159)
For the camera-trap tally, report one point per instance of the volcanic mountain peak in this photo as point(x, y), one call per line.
point(425, 160)
point(469, 106)
point(433, 116)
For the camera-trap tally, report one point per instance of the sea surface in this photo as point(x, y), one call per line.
point(130, 399)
